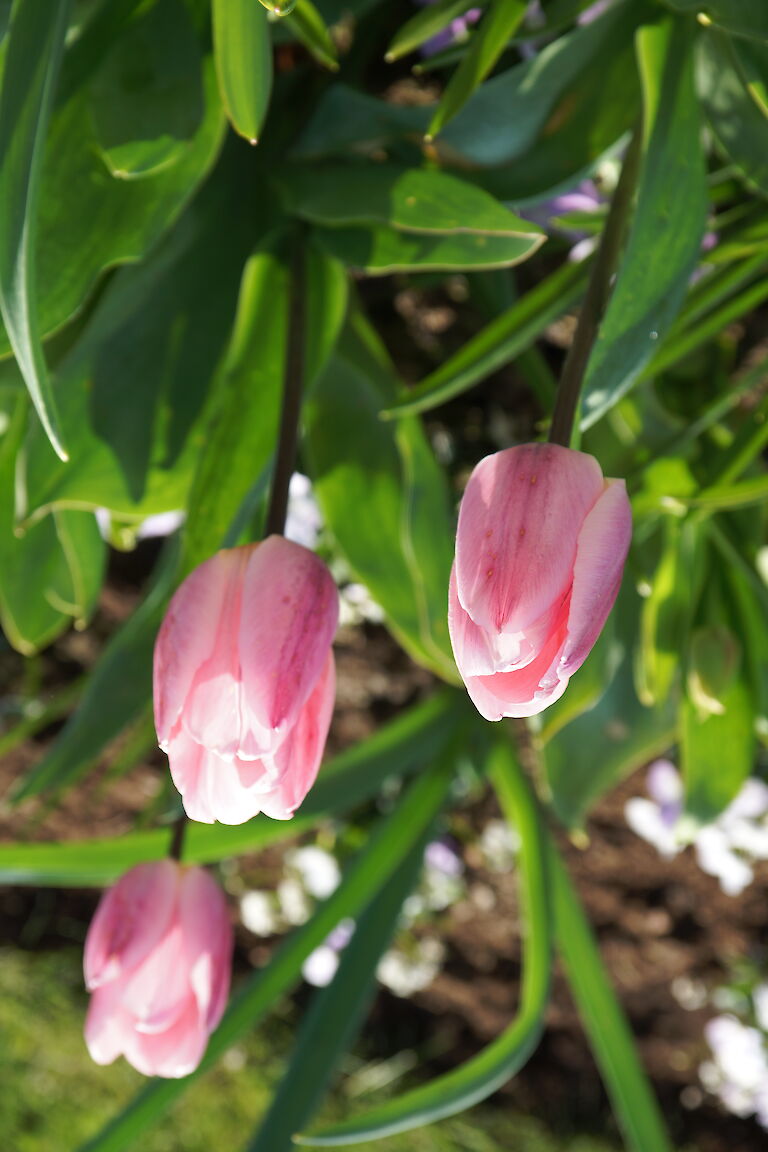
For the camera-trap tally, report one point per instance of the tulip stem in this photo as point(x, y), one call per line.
point(293, 382)
point(177, 836)
point(596, 298)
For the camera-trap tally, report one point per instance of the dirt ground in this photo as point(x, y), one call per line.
point(664, 926)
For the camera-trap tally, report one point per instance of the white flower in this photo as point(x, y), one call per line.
point(320, 966)
point(303, 522)
point(294, 903)
point(499, 845)
point(404, 974)
point(318, 870)
point(726, 848)
point(738, 1073)
point(258, 913)
point(760, 1001)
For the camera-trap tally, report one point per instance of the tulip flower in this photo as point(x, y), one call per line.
point(157, 965)
point(540, 550)
point(244, 681)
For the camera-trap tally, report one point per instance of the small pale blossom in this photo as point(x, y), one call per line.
point(727, 848)
point(317, 869)
point(404, 974)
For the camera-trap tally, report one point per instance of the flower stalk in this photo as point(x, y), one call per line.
point(596, 298)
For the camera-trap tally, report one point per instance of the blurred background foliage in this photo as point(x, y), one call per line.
point(148, 252)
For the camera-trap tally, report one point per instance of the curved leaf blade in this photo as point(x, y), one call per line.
point(483, 1074)
point(33, 56)
point(665, 236)
point(498, 343)
point(635, 1106)
point(336, 1012)
point(243, 49)
point(498, 25)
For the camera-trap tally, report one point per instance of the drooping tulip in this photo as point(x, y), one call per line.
point(540, 550)
point(157, 964)
point(244, 680)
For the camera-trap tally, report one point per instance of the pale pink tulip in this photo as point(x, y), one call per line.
point(244, 680)
point(540, 550)
point(157, 964)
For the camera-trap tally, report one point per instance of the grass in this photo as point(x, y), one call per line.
point(54, 1098)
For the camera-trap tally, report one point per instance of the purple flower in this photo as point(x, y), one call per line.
point(453, 32)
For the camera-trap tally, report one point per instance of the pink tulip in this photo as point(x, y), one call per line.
point(244, 681)
point(540, 550)
point(157, 962)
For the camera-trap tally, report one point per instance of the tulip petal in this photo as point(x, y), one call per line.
point(186, 759)
point(471, 645)
point(289, 614)
point(107, 1026)
point(519, 523)
point(189, 635)
point(155, 992)
point(298, 760)
point(208, 942)
point(173, 1053)
point(525, 691)
point(130, 921)
point(600, 554)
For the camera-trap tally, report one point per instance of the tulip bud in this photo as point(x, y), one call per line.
point(157, 964)
point(244, 681)
point(540, 550)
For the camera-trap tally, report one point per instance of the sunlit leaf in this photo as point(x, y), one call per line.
point(32, 60)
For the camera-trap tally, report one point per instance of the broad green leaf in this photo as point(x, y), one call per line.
point(752, 491)
point(495, 1065)
point(133, 386)
point(345, 121)
point(85, 554)
point(118, 689)
point(739, 17)
point(555, 97)
point(588, 686)
point(686, 337)
point(752, 61)
point(750, 612)
point(380, 251)
point(717, 738)
point(665, 236)
point(666, 613)
point(31, 564)
point(635, 1107)
point(383, 495)
point(397, 749)
point(498, 25)
point(420, 200)
point(426, 23)
point(498, 343)
point(245, 413)
point(32, 59)
point(89, 221)
point(308, 26)
point(245, 401)
point(243, 49)
point(387, 847)
point(602, 746)
point(147, 96)
point(739, 124)
point(336, 1013)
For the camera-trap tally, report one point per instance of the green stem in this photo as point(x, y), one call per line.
point(292, 389)
point(596, 298)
